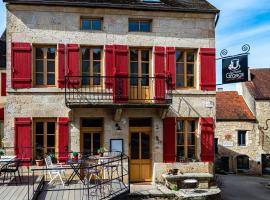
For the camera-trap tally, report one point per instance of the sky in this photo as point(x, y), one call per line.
point(241, 22)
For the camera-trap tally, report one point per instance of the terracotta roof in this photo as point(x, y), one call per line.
point(163, 5)
point(259, 86)
point(232, 107)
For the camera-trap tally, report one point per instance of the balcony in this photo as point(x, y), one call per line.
point(117, 91)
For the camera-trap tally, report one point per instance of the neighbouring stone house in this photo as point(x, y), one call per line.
point(242, 128)
point(88, 74)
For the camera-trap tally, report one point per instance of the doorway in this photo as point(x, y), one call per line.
point(266, 164)
point(225, 163)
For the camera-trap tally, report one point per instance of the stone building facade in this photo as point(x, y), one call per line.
point(59, 25)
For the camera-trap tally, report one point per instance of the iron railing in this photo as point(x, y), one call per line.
point(117, 90)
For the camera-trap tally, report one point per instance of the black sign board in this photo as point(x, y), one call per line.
point(235, 69)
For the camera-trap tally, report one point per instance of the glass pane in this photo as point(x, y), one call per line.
point(96, 80)
point(180, 126)
point(145, 55)
point(51, 53)
point(85, 24)
point(85, 53)
point(190, 56)
point(96, 142)
point(86, 67)
point(39, 66)
point(179, 56)
point(134, 146)
point(85, 79)
point(97, 54)
point(40, 128)
point(180, 139)
point(191, 126)
point(145, 68)
point(145, 145)
point(133, 26)
point(179, 68)
point(191, 139)
point(86, 143)
point(39, 153)
point(39, 53)
point(190, 68)
point(134, 68)
point(39, 141)
point(190, 81)
point(51, 140)
point(39, 79)
point(96, 24)
point(134, 79)
point(96, 67)
point(180, 153)
point(50, 66)
point(191, 152)
point(51, 128)
point(145, 26)
point(92, 122)
point(51, 151)
point(180, 81)
point(145, 80)
point(51, 79)
point(133, 55)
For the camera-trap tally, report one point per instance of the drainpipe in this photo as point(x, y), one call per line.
point(217, 19)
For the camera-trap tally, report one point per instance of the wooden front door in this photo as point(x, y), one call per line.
point(139, 70)
point(140, 156)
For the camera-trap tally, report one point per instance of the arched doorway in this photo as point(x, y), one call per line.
point(242, 163)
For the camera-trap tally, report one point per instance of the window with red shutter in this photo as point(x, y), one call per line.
point(207, 139)
point(120, 90)
point(170, 65)
point(208, 68)
point(109, 65)
point(3, 84)
point(61, 65)
point(63, 142)
point(73, 65)
point(21, 65)
point(169, 139)
point(159, 74)
point(22, 137)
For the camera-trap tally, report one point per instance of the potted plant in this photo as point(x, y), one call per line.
point(101, 151)
point(39, 159)
point(75, 156)
point(2, 152)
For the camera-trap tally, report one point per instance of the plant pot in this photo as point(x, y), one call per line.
point(75, 158)
point(100, 154)
point(39, 162)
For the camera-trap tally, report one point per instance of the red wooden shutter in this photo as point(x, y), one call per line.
point(207, 140)
point(159, 74)
point(109, 65)
point(208, 68)
point(170, 63)
point(21, 65)
point(73, 65)
point(120, 90)
point(169, 142)
point(63, 139)
point(22, 140)
point(2, 114)
point(3, 84)
point(61, 65)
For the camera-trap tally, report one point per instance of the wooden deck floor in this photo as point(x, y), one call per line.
point(10, 191)
point(77, 191)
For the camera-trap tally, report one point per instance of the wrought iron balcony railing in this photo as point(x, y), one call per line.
point(122, 90)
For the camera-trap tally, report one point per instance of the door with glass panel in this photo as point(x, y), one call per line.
point(44, 138)
point(140, 156)
point(91, 66)
point(91, 142)
point(139, 72)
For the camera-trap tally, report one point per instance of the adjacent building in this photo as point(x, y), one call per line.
point(242, 128)
point(136, 76)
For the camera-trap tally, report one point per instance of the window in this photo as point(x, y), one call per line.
point(91, 66)
point(242, 162)
point(44, 70)
point(186, 139)
point(93, 24)
point(242, 138)
point(44, 137)
point(185, 68)
point(139, 25)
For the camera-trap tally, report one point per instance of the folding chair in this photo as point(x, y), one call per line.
point(54, 170)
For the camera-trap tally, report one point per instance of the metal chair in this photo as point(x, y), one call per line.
point(12, 168)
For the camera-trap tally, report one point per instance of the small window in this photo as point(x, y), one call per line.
point(242, 138)
point(139, 25)
point(91, 24)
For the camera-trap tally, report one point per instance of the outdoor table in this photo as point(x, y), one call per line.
point(6, 159)
point(76, 166)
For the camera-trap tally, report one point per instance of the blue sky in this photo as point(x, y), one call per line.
point(241, 22)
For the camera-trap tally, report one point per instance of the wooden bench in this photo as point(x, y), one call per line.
point(176, 180)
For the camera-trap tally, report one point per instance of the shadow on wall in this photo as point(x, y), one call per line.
point(231, 161)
